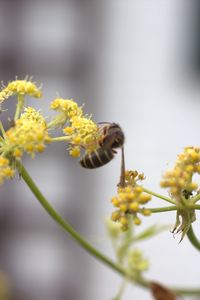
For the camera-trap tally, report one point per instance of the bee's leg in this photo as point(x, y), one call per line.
point(122, 175)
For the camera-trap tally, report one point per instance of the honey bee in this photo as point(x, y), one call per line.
point(112, 138)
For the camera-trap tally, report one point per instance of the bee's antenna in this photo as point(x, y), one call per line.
point(122, 175)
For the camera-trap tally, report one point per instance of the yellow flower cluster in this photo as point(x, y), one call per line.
point(5, 170)
point(179, 180)
point(67, 109)
point(66, 106)
point(81, 131)
point(20, 87)
point(129, 201)
point(84, 133)
point(28, 135)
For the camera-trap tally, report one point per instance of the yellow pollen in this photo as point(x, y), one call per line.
point(75, 152)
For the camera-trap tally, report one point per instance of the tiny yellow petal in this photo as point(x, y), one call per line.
point(75, 152)
point(123, 207)
point(137, 221)
point(123, 221)
point(115, 215)
point(134, 206)
point(146, 212)
point(144, 198)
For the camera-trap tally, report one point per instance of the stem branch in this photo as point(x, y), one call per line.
point(52, 212)
point(76, 236)
point(193, 239)
point(60, 139)
point(20, 105)
point(171, 208)
point(158, 195)
point(2, 130)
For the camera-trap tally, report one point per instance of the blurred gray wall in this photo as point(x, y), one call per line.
point(60, 43)
point(129, 62)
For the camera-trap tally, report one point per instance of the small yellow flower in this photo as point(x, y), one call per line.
point(67, 109)
point(137, 221)
point(75, 152)
point(28, 135)
point(179, 179)
point(134, 206)
point(136, 262)
point(113, 228)
point(83, 133)
point(20, 87)
point(129, 200)
point(6, 171)
point(181, 187)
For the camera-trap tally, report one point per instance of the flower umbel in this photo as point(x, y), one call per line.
point(181, 186)
point(83, 133)
point(28, 135)
point(20, 87)
point(130, 200)
point(66, 108)
point(179, 180)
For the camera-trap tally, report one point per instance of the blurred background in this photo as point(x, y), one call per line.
point(135, 62)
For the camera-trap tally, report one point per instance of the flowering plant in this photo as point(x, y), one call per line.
point(30, 134)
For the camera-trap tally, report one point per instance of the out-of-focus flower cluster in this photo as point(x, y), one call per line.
point(29, 134)
point(6, 171)
point(81, 131)
point(179, 180)
point(128, 256)
point(130, 200)
point(20, 87)
point(137, 263)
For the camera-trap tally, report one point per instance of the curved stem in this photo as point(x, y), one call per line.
point(52, 212)
point(76, 236)
point(2, 130)
point(171, 208)
point(193, 239)
point(20, 104)
point(158, 195)
point(60, 139)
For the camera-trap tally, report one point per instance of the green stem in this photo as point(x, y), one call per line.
point(193, 239)
point(60, 139)
point(20, 105)
point(158, 195)
point(52, 212)
point(162, 209)
point(2, 130)
point(171, 208)
point(196, 198)
point(76, 236)
point(121, 289)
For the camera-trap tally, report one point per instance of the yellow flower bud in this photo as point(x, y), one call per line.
point(123, 207)
point(115, 215)
point(137, 221)
point(134, 206)
point(75, 152)
point(144, 198)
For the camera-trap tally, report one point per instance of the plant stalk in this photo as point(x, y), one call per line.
point(76, 236)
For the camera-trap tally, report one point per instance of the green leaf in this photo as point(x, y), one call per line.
point(151, 232)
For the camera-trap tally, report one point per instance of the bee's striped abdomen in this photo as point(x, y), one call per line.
point(96, 159)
